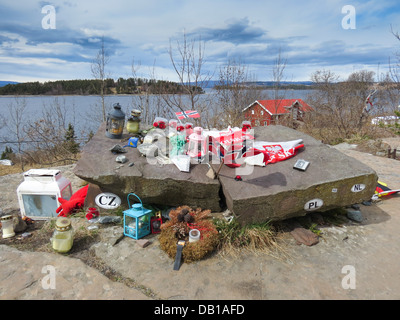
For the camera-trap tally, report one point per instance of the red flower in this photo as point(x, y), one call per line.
point(155, 124)
point(246, 127)
point(161, 125)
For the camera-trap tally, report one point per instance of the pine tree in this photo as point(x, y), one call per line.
point(6, 153)
point(70, 144)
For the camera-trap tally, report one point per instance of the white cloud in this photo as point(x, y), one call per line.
point(309, 34)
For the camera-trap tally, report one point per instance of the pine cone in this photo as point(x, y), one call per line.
point(188, 218)
point(181, 217)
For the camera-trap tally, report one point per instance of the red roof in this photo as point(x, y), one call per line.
point(281, 106)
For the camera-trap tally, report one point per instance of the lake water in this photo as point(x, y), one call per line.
point(83, 111)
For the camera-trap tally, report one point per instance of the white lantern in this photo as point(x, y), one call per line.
point(39, 192)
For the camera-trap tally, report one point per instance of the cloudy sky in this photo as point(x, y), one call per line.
point(37, 44)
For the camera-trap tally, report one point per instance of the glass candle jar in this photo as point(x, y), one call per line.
point(7, 224)
point(132, 125)
point(63, 236)
point(194, 235)
point(197, 149)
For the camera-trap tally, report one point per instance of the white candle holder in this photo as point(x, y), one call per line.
point(7, 225)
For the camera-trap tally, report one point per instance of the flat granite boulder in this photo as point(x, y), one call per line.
point(278, 191)
point(154, 184)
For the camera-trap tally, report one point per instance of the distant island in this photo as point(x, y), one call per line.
point(128, 86)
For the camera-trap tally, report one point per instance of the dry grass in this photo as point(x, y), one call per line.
point(255, 238)
point(5, 170)
point(44, 161)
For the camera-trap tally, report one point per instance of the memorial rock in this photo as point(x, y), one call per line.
point(279, 191)
point(153, 183)
point(274, 192)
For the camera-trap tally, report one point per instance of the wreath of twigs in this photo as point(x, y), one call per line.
point(182, 220)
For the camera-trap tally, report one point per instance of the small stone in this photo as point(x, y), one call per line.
point(304, 236)
point(143, 243)
point(130, 164)
point(121, 159)
point(354, 215)
point(367, 203)
point(19, 224)
point(117, 149)
point(26, 235)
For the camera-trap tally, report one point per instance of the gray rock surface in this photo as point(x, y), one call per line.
point(164, 185)
point(296, 272)
point(278, 191)
point(29, 276)
point(274, 192)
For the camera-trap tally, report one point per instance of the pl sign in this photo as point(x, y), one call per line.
point(107, 200)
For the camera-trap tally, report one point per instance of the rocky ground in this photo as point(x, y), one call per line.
point(352, 260)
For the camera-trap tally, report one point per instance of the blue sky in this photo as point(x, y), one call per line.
point(310, 35)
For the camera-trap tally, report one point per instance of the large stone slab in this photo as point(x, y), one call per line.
point(274, 192)
point(278, 191)
point(154, 184)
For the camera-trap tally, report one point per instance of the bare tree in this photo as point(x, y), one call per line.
point(388, 95)
point(16, 123)
point(363, 87)
point(188, 60)
point(339, 105)
point(277, 76)
point(98, 68)
point(151, 104)
point(48, 135)
point(234, 93)
point(392, 80)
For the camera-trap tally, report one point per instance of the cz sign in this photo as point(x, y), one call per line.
point(107, 200)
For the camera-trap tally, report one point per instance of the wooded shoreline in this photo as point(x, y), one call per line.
point(128, 86)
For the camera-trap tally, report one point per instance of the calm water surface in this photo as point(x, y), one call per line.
point(83, 111)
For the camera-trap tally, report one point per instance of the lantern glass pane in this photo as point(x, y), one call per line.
point(40, 205)
point(130, 225)
point(66, 193)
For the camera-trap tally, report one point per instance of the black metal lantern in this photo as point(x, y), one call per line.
point(115, 122)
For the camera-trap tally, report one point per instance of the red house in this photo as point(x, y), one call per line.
point(265, 112)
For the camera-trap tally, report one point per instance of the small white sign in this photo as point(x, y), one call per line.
point(108, 200)
point(358, 187)
point(313, 204)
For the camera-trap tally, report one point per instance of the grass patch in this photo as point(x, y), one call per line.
point(256, 238)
